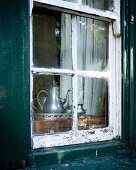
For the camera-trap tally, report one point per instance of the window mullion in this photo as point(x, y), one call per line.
point(75, 96)
point(74, 59)
point(51, 71)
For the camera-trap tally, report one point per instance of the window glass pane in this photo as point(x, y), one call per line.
point(52, 39)
point(100, 4)
point(92, 102)
point(92, 44)
point(52, 100)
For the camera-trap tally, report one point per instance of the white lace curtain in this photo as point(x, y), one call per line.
point(91, 54)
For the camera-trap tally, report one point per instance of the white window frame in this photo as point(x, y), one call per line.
point(113, 76)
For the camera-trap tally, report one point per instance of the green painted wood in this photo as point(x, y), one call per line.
point(129, 73)
point(76, 152)
point(14, 83)
point(133, 45)
point(125, 71)
point(128, 59)
point(97, 163)
point(132, 74)
point(135, 76)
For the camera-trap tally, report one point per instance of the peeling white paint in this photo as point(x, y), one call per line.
point(30, 7)
point(31, 63)
point(96, 152)
point(72, 137)
point(116, 23)
point(94, 74)
point(113, 74)
point(80, 8)
point(132, 19)
point(118, 85)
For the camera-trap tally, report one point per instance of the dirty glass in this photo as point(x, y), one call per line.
point(92, 44)
point(52, 40)
point(52, 103)
point(99, 4)
point(92, 103)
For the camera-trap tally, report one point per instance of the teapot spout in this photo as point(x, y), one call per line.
point(66, 101)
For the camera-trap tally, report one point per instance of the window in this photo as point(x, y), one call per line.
point(75, 72)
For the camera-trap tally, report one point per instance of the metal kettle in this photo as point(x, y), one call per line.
point(53, 102)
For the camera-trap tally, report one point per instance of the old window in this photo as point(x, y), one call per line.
point(75, 72)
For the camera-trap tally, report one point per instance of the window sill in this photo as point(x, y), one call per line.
point(47, 156)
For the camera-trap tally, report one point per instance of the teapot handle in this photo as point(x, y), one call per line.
point(33, 103)
point(38, 95)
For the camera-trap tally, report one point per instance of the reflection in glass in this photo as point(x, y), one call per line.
point(92, 102)
point(52, 100)
point(52, 39)
point(99, 4)
point(92, 44)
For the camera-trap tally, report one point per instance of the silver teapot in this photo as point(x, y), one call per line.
point(52, 103)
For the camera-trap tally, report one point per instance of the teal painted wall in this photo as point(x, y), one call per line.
point(14, 83)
